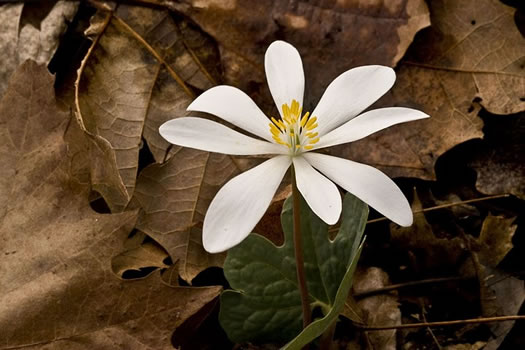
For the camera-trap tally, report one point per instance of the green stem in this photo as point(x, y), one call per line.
point(299, 259)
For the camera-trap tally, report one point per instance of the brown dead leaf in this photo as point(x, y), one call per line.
point(478, 39)
point(331, 36)
point(174, 197)
point(473, 51)
point(430, 251)
point(476, 346)
point(135, 76)
point(381, 310)
point(56, 285)
point(23, 38)
point(139, 255)
point(495, 239)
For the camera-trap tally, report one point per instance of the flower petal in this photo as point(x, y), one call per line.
point(321, 194)
point(211, 136)
point(351, 93)
point(241, 203)
point(234, 106)
point(284, 72)
point(366, 183)
point(369, 123)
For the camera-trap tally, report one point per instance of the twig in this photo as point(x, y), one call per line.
point(392, 287)
point(444, 323)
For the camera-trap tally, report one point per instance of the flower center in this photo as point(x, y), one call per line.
point(295, 132)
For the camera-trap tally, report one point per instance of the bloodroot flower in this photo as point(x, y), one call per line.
point(292, 139)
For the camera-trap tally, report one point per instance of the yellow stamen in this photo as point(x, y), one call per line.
point(308, 147)
point(314, 141)
point(304, 119)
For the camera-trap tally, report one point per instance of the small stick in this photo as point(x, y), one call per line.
point(444, 323)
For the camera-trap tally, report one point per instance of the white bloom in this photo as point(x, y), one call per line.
point(241, 202)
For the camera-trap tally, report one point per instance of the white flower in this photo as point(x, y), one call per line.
point(241, 202)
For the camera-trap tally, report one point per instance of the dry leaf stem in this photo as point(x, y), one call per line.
point(299, 259)
point(445, 323)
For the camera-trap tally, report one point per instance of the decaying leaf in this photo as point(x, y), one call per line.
point(331, 36)
point(430, 251)
point(495, 239)
point(136, 75)
point(56, 284)
point(24, 38)
point(381, 310)
point(174, 197)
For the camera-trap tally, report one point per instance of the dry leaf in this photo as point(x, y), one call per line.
point(332, 37)
point(495, 239)
point(174, 197)
point(476, 346)
point(477, 39)
point(498, 160)
point(430, 251)
point(139, 255)
point(134, 78)
point(24, 37)
point(473, 51)
point(381, 310)
point(56, 284)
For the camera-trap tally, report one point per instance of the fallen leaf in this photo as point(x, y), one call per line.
point(495, 239)
point(380, 310)
point(139, 255)
point(431, 252)
point(476, 346)
point(472, 52)
point(136, 75)
point(56, 285)
point(174, 197)
point(22, 36)
point(362, 32)
point(479, 40)
point(498, 160)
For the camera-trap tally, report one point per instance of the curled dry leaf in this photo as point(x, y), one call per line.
point(136, 75)
point(139, 255)
point(24, 37)
point(174, 197)
point(360, 32)
point(56, 284)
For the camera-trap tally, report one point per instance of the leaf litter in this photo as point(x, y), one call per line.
point(73, 276)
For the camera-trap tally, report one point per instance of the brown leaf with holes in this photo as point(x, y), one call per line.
point(174, 197)
point(332, 37)
point(136, 75)
point(56, 285)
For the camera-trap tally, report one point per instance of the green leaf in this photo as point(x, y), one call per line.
point(318, 327)
point(265, 304)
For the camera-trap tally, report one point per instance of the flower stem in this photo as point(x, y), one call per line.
point(299, 259)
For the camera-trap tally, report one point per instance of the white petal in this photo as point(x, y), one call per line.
point(241, 203)
point(321, 194)
point(369, 123)
point(351, 93)
point(211, 136)
point(234, 106)
point(366, 183)
point(284, 72)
